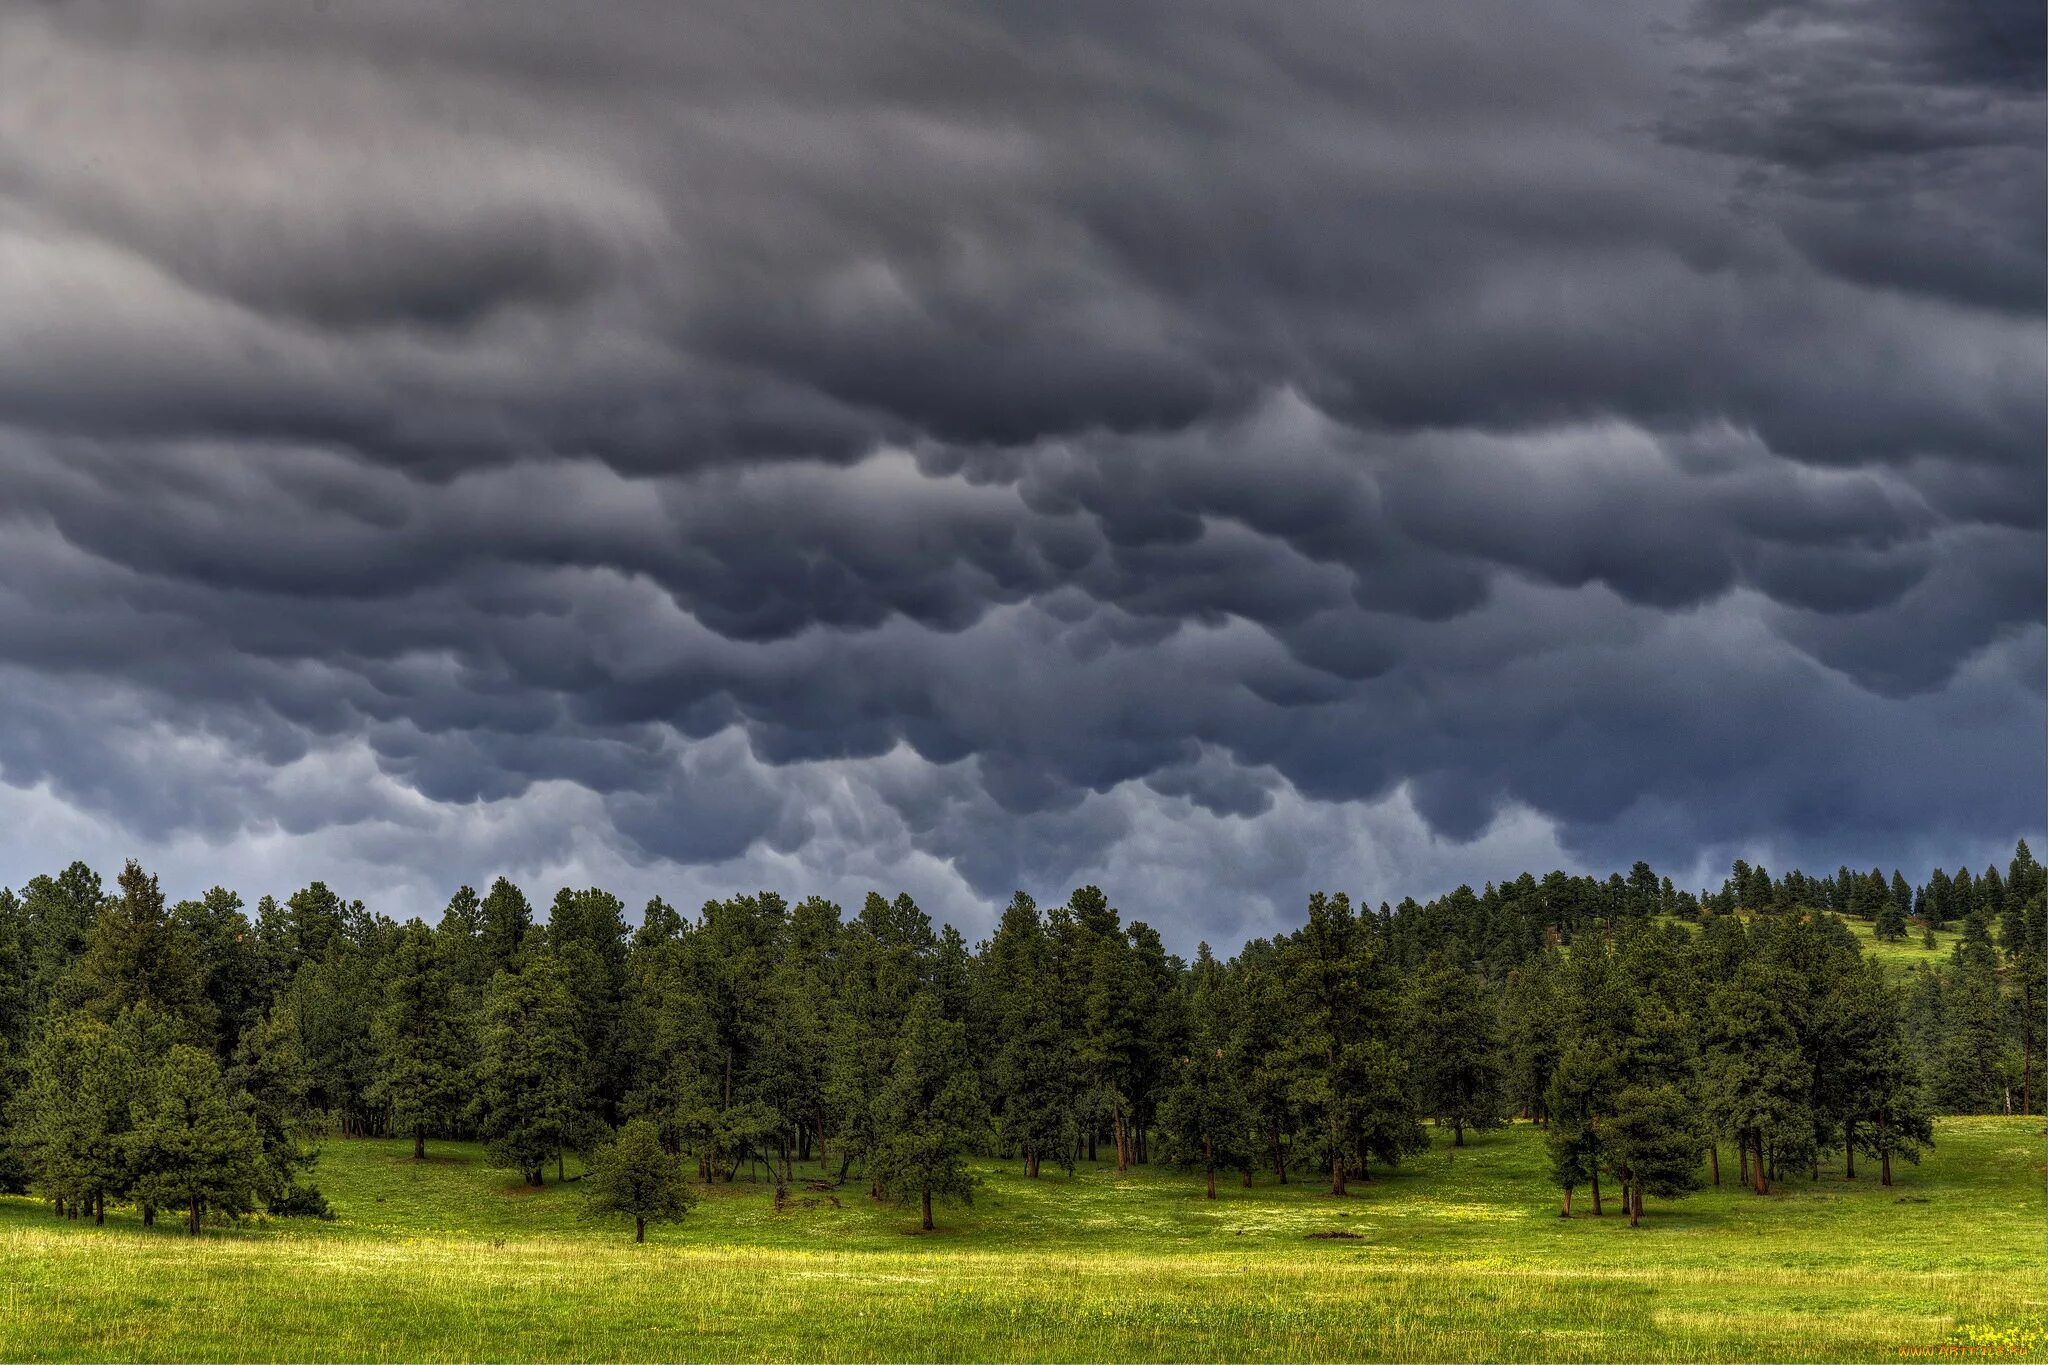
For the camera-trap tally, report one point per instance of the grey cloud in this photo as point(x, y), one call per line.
point(1004, 446)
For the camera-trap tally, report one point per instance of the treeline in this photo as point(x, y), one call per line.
point(189, 1056)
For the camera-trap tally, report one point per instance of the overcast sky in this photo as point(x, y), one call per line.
point(1213, 451)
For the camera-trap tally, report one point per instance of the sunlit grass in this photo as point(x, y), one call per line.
point(1460, 1257)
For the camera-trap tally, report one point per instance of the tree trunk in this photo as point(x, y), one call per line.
point(193, 1223)
point(1279, 1155)
point(1337, 1175)
point(639, 1229)
point(1714, 1160)
point(1596, 1190)
point(1758, 1169)
point(1209, 1162)
point(99, 1208)
point(1849, 1151)
point(1246, 1174)
point(1566, 1211)
point(1091, 1144)
point(1635, 1205)
point(561, 1168)
point(927, 1210)
point(149, 1215)
point(1884, 1163)
point(1457, 1133)
point(419, 1144)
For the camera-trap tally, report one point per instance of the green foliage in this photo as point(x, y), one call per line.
point(929, 1114)
point(191, 1145)
point(138, 957)
point(71, 1119)
point(423, 1042)
point(635, 1176)
point(530, 1071)
point(1457, 1048)
point(271, 1071)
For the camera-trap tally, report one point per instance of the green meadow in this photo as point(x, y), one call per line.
point(1459, 1256)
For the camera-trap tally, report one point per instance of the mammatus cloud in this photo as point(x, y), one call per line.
point(1210, 455)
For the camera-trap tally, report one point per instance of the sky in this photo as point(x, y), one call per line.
point(1212, 451)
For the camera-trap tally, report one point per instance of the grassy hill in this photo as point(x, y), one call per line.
point(1460, 1257)
point(1896, 957)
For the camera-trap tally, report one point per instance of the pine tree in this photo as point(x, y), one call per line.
point(1352, 1083)
point(930, 1112)
point(423, 1049)
point(1530, 1022)
point(137, 957)
point(1757, 1083)
point(634, 1175)
point(1032, 1090)
point(529, 1071)
point(191, 1146)
point(505, 919)
point(1204, 1119)
point(1654, 1138)
point(270, 1068)
point(1890, 1104)
point(1457, 1053)
point(72, 1120)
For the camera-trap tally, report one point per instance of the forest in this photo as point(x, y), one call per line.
point(190, 1057)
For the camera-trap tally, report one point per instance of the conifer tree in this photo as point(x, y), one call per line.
point(1457, 1048)
point(71, 1121)
point(1530, 1024)
point(930, 1113)
point(1204, 1119)
point(634, 1175)
point(424, 1051)
point(191, 1146)
point(271, 1070)
point(505, 919)
point(530, 1096)
point(136, 956)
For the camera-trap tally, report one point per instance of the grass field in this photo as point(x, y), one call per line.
point(1461, 1257)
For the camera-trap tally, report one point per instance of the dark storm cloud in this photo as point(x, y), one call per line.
point(963, 448)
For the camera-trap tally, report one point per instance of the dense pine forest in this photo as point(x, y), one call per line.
point(190, 1057)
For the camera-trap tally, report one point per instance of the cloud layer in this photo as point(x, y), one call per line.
point(1210, 452)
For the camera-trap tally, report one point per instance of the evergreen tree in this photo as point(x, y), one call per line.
point(230, 969)
point(1457, 1051)
point(136, 956)
point(71, 1120)
point(529, 1070)
point(190, 1145)
point(423, 1049)
point(1204, 1119)
point(634, 1175)
point(1352, 1082)
point(1757, 1083)
point(1031, 1087)
point(271, 1070)
point(1890, 1102)
point(505, 919)
point(1654, 1138)
point(1530, 1022)
point(930, 1112)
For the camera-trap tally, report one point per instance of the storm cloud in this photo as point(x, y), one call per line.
point(1215, 451)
